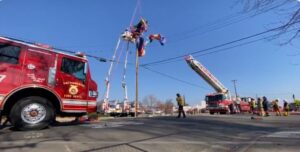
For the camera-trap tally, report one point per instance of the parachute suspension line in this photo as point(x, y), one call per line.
point(139, 3)
point(107, 79)
point(124, 77)
point(137, 7)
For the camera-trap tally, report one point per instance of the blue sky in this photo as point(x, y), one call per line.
point(261, 68)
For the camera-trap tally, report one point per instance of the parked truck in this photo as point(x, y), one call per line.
point(116, 108)
point(220, 101)
point(38, 83)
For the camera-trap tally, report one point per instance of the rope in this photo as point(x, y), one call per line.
point(137, 7)
point(109, 74)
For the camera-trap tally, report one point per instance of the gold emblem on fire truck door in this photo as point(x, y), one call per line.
point(73, 90)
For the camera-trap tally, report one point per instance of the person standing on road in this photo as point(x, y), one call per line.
point(252, 105)
point(276, 107)
point(260, 107)
point(180, 102)
point(265, 105)
point(238, 104)
point(286, 108)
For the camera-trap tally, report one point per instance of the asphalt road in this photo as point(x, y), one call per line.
point(220, 133)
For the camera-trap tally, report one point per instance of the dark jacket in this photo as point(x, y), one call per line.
point(265, 103)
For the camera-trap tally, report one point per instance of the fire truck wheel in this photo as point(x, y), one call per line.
point(32, 113)
point(211, 113)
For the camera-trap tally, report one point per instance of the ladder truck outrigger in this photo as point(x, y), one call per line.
point(221, 101)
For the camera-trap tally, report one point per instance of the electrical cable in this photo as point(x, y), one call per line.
point(171, 77)
point(213, 47)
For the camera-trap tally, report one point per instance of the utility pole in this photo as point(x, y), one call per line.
point(136, 83)
point(234, 84)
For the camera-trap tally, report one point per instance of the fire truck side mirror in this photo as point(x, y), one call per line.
point(85, 68)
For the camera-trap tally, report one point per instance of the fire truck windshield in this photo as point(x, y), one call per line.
point(74, 67)
point(215, 98)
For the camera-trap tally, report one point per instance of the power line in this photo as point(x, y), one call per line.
point(214, 47)
point(216, 22)
point(101, 59)
point(216, 51)
point(173, 78)
point(195, 85)
point(221, 23)
point(223, 49)
point(210, 29)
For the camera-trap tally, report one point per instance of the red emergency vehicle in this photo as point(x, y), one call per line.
point(220, 101)
point(38, 82)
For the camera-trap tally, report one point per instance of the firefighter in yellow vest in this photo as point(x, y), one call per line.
point(260, 109)
point(181, 103)
point(276, 107)
point(252, 105)
point(286, 108)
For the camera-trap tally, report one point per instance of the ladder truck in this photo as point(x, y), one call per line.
point(220, 101)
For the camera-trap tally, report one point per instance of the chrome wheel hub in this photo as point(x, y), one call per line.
point(33, 113)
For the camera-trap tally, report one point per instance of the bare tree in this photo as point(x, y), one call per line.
point(290, 9)
point(169, 106)
point(150, 102)
point(161, 106)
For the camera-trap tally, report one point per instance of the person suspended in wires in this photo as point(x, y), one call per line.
point(135, 32)
point(140, 28)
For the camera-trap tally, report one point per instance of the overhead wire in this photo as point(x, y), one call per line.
point(213, 47)
point(216, 51)
point(219, 24)
point(207, 30)
point(174, 78)
point(225, 49)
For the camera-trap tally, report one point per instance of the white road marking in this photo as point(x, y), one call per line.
point(110, 124)
point(67, 148)
point(33, 135)
point(285, 134)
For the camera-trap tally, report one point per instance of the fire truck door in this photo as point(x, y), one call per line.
point(72, 82)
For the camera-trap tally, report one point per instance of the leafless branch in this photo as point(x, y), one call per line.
point(291, 6)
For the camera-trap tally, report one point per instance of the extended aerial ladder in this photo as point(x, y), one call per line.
point(219, 102)
point(206, 75)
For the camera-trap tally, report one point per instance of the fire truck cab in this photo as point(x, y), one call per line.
point(218, 103)
point(38, 82)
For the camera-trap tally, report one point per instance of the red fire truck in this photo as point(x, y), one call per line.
point(219, 102)
point(38, 82)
